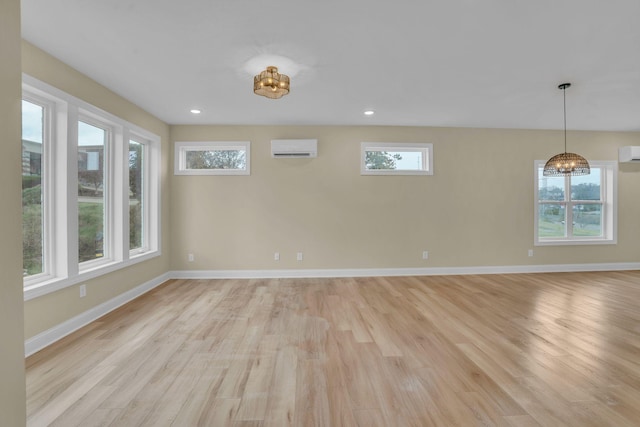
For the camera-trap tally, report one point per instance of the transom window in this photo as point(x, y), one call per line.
point(213, 158)
point(394, 158)
point(576, 209)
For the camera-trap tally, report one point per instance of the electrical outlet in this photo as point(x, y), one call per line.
point(191, 257)
point(276, 256)
point(530, 252)
point(83, 291)
point(425, 254)
point(299, 256)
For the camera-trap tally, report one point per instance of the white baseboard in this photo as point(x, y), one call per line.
point(374, 272)
point(60, 331)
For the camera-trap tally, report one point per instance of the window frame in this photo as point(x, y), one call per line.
point(60, 192)
point(183, 147)
point(608, 201)
point(425, 148)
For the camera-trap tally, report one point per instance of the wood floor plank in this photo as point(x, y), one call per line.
point(552, 349)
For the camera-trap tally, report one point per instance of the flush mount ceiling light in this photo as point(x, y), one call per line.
point(566, 163)
point(271, 84)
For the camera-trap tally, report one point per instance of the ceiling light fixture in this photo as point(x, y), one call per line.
point(271, 84)
point(566, 163)
point(369, 113)
point(195, 111)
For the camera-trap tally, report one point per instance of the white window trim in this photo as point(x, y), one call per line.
point(425, 148)
point(181, 149)
point(61, 216)
point(609, 209)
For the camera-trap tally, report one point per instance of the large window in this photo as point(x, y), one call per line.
point(394, 158)
point(576, 209)
point(90, 190)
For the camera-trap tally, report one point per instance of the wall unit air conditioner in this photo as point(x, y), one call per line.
point(629, 154)
point(294, 148)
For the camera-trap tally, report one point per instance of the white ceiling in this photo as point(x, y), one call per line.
point(468, 63)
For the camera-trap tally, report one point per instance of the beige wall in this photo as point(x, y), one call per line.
point(50, 310)
point(12, 385)
point(476, 210)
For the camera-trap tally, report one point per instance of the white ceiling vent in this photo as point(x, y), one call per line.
point(294, 148)
point(629, 154)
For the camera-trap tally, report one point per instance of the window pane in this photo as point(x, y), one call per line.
point(91, 194)
point(551, 220)
point(32, 205)
point(550, 188)
point(587, 220)
point(136, 199)
point(586, 187)
point(395, 160)
point(216, 159)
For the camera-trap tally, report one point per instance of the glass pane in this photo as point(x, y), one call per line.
point(395, 160)
point(586, 187)
point(551, 220)
point(32, 205)
point(549, 187)
point(91, 191)
point(587, 220)
point(136, 204)
point(216, 159)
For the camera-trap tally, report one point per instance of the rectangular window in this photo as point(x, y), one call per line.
point(137, 208)
point(212, 158)
point(576, 209)
point(395, 158)
point(33, 229)
point(92, 198)
point(91, 191)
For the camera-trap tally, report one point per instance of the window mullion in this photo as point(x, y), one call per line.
point(67, 163)
point(568, 212)
point(121, 193)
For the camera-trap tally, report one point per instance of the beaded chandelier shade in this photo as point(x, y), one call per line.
point(566, 163)
point(271, 84)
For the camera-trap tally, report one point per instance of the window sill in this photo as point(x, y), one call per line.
point(49, 285)
point(574, 242)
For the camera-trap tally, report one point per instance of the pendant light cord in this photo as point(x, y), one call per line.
point(564, 96)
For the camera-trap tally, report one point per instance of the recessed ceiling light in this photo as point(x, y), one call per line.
point(369, 113)
point(196, 111)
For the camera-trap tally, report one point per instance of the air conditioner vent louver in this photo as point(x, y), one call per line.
point(294, 148)
point(629, 154)
point(292, 155)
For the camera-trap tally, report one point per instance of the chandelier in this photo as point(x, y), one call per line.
point(271, 84)
point(566, 163)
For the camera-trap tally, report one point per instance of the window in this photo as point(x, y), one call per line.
point(92, 200)
point(137, 195)
point(213, 158)
point(392, 158)
point(90, 190)
point(576, 210)
point(34, 112)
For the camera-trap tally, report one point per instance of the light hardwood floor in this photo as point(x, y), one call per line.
point(491, 350)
